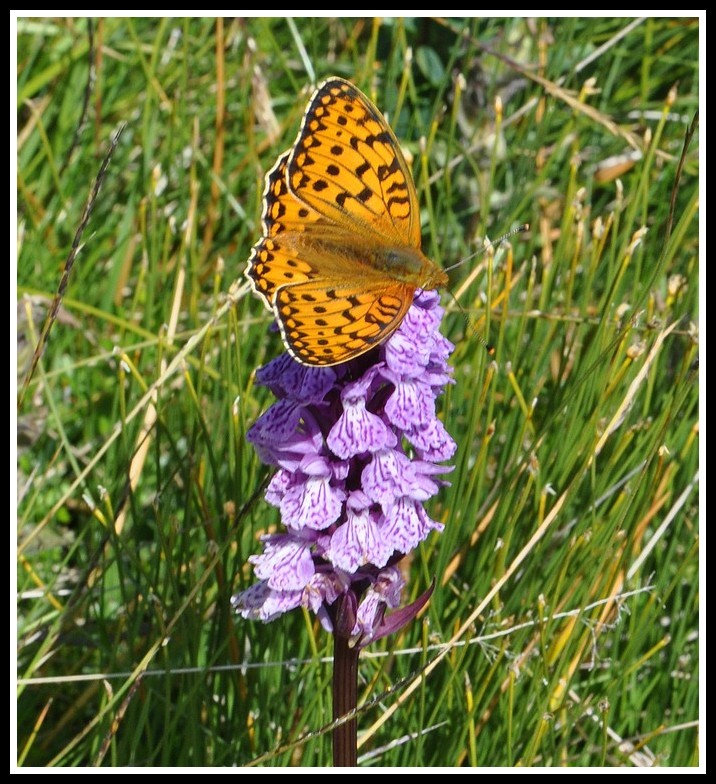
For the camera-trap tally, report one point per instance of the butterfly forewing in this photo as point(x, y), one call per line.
point(348, 165)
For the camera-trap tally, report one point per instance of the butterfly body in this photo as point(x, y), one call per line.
point(358, 257)
point(340, 257)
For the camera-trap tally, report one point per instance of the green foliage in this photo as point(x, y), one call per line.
point(567, 575)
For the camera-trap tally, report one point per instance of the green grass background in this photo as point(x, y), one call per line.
point(567, 575)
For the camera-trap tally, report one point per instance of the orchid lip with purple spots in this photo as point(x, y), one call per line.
point(358, 448)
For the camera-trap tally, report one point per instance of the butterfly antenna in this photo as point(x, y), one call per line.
point(490, 244)
point(470, 327)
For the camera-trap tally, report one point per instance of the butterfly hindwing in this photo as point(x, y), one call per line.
point(323, 327)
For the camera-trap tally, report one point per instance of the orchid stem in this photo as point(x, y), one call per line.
point(345, 695)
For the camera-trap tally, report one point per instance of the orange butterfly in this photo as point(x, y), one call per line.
point(340, 258)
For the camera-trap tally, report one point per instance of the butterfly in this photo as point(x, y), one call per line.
point(340, 256)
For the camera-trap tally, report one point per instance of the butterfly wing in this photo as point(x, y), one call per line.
point(272, 262)
point(323, 326)
point(347, 165)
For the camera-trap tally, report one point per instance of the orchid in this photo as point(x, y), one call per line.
point(358, 448)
